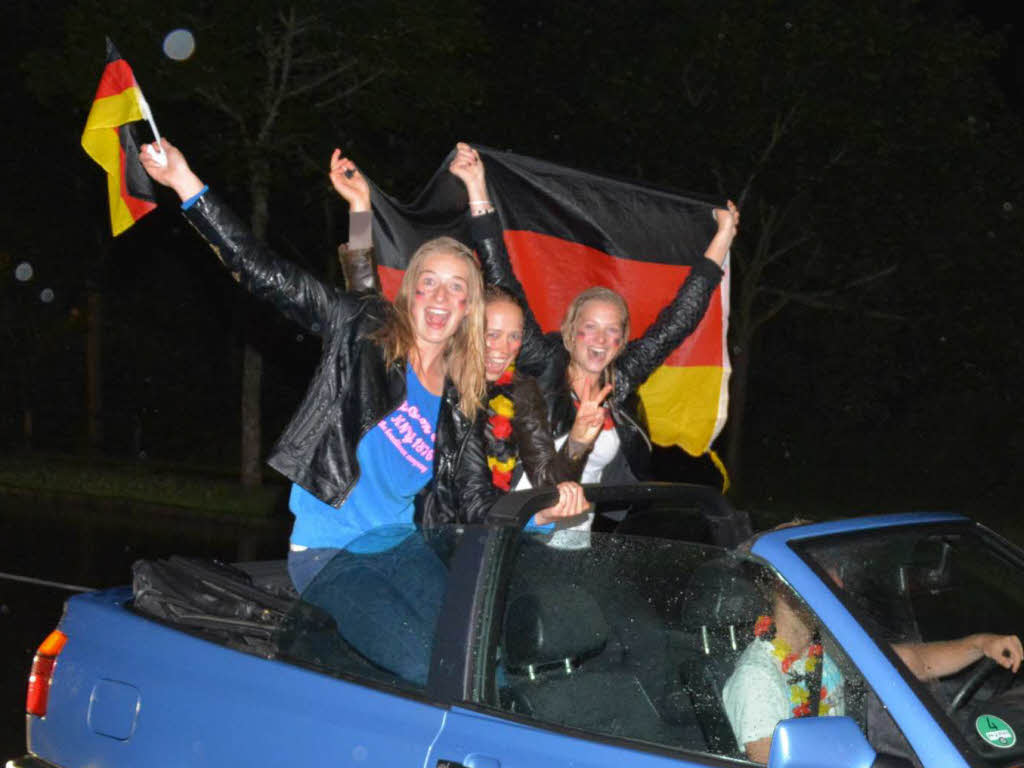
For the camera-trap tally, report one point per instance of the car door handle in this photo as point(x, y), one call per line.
point(472, 761)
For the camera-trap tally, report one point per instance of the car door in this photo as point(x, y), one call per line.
point(578, 657)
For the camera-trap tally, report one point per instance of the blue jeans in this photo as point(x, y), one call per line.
point(385, 604)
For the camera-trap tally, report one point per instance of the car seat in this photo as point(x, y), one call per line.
point(720, 607)
point(563, 667)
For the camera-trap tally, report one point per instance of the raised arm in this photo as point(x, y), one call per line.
point(356, 257)
point(681, 317)
point(292, 290)
point(489, 243)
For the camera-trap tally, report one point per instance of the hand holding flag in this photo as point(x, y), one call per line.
point(169, 168)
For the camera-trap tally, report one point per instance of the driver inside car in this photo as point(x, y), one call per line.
point(774, 676)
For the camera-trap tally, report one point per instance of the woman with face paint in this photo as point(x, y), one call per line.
point(593, 353)
point(517, 436)
point(376, 442)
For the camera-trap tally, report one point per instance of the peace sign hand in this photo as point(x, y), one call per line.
point(590, 415)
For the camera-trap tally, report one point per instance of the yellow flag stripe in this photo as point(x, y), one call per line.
point(686, 406)
point(120, 217)
point(100, 140)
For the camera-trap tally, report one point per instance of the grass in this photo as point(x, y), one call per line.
point(204, 492)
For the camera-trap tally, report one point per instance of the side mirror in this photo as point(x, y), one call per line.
point(817, 742)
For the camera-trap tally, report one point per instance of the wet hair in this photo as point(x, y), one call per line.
point(464, 354)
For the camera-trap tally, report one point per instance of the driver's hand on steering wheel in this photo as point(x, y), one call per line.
point(1005, 650)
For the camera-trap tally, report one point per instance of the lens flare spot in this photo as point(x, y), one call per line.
point(179, 44)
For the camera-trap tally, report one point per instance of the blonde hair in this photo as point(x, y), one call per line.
point(464, 354)
point(572, 318)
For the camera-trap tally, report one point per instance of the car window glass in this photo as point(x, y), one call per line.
point(371, 612)
point(637, 638)
point(926, 589)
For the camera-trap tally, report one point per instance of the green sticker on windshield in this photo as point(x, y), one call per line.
point(996, 731)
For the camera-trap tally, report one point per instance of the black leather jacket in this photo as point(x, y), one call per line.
point(532, 434)
point(545, 357)
point(352, 388)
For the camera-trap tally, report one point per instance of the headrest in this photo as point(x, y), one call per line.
point(721, 593)
point(551, 624)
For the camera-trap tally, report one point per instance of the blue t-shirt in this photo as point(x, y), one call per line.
point(396, 460)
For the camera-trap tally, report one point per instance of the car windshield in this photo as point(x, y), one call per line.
point(936, 589)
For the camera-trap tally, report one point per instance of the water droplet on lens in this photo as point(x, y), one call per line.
point(23, 272)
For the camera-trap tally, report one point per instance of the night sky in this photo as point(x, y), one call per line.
point(880, 345)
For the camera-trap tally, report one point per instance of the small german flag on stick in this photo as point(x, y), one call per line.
point(109, 139)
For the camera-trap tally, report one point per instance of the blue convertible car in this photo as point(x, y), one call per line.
point(602, 648)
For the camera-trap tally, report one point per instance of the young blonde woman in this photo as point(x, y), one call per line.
point(376, 441)
point(592, 352)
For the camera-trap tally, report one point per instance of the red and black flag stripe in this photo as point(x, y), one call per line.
point(567, 230)
point(109, 139)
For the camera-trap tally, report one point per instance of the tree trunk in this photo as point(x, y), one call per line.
point(332, 269)
point(737, 409)
point(25, 399)
point(93, 369)
point(26, 426)
point(252, 359)
point(252, 428)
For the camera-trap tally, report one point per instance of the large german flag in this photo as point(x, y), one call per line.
point(567, 230)
point(109, 139)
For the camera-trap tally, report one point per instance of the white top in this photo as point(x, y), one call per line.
point(757, 693)
point(604, 450)
point(574, 532)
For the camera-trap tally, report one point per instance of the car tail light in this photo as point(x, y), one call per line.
point(42, 673)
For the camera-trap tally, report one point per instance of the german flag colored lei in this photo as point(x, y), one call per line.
point(501, 449)
point(799, 695)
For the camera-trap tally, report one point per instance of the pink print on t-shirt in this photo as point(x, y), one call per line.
point(411, 434)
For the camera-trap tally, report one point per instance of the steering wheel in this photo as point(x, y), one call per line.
point(975, 680)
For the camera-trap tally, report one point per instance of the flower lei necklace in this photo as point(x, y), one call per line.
point(799, 695)
point(501, 449)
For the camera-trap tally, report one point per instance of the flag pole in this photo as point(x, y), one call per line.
point(159, 155)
